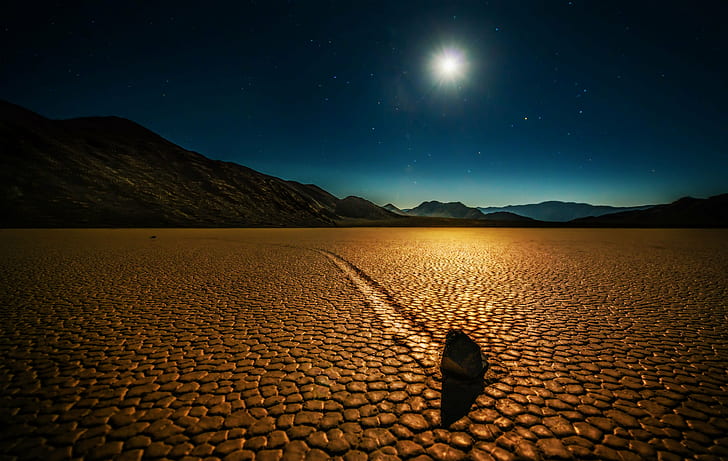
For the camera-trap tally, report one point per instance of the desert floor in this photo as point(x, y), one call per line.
point(323, 343)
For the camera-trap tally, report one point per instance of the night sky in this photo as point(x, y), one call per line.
point(606, 102)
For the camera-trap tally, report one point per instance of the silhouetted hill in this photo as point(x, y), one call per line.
point(506, 216)
point(357, 207)
point(394, 209)
point(559, 211)
point(315, 193)
point(109, 171)
point(445, 210)
point(686, 212)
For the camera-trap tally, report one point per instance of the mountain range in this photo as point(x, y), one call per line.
point(112, 172)
point(109, 171)
point(445, 210)
point(686, 212)
point(458, 210)
point(551, 211)
point(556, 211)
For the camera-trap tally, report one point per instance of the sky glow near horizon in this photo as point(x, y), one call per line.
point(616, 103)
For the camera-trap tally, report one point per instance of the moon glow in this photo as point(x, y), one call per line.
point(449, 65)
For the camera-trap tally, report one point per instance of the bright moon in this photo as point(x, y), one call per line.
point(449, 65)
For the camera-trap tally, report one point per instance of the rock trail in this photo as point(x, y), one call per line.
point(410, 332)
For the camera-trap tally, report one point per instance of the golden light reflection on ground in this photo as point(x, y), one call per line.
point(299, 342)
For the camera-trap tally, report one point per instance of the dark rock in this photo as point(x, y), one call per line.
point(461, 358)
point(463, 367)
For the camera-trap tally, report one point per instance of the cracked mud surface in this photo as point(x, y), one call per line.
point(254, 344)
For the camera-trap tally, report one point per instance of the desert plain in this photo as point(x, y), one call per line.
point(323, 343)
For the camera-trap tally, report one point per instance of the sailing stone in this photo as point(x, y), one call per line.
point(462, 358)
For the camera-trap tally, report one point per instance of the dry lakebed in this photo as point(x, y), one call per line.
point(296, 344)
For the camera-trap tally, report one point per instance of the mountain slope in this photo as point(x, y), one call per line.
point(686, 212)
point(109, 171)
point(445, 210)
point(394, 209)
point(506, 216)
point(357, 207)
point(559, 211)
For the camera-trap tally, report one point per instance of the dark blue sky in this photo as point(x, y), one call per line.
point(607, 102)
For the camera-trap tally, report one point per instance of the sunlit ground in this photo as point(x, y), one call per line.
point(242, 344)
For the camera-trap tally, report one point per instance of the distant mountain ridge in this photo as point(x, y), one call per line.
point(112, 172)
point(357, 207)
point(109, 171)
point(457, 210)
point(394, 209)
point(506, 216)
point(556, 211)
point(445, 210)
point(685, 212)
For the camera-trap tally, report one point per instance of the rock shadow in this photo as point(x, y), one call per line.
point(463, 367)
point(457, 398)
